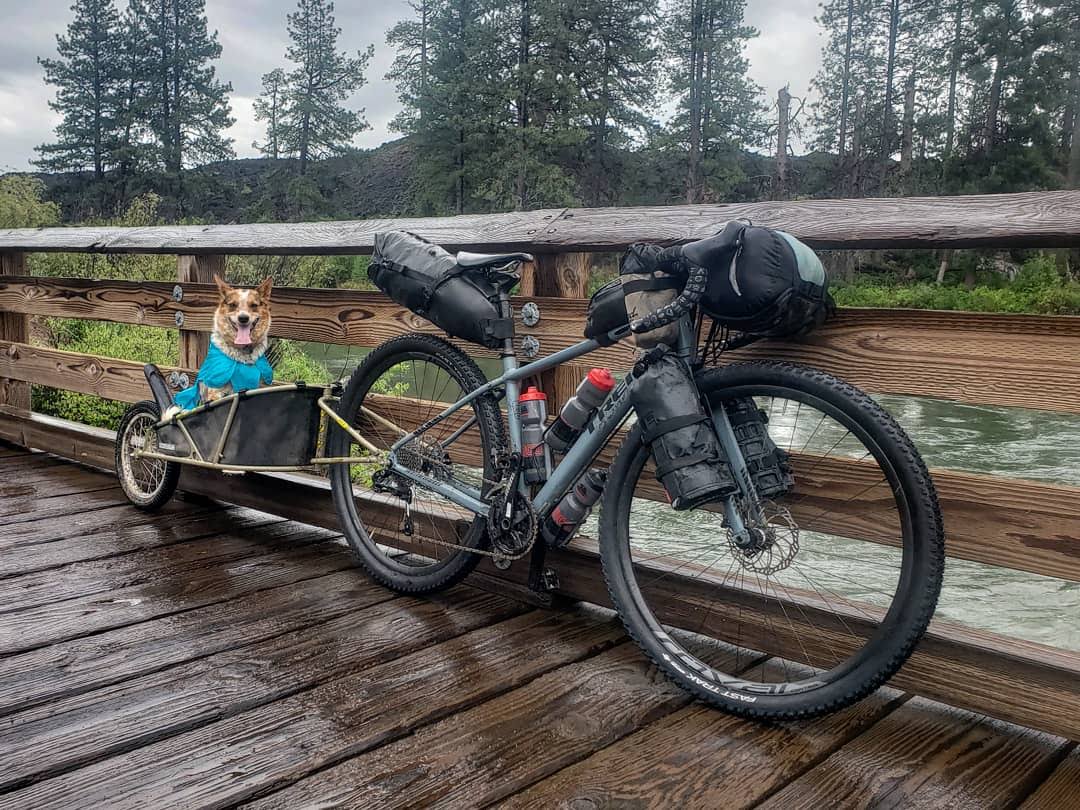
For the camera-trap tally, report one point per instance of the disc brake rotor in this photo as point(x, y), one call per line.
point(776, 541)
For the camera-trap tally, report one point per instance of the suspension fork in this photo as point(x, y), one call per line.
point(747, 493)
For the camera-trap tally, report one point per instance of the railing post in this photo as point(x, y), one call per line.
point(201, 269)
point(15, 327)
point(562, 275)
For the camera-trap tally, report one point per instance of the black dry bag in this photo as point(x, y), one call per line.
point(678, 430)
point(761, 281)
point(427, 280)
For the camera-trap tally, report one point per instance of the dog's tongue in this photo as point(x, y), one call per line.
point(243, 335)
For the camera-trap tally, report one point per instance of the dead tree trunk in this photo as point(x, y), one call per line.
point(780, 181)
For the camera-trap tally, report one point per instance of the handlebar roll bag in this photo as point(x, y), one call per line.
point(647, 286)
point(765, 282)
point(679, 431)
point(427, 280)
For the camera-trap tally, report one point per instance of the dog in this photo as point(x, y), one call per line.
point(237, 357)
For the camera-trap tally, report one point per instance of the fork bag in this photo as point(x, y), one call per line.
point(679, 432)
point(767, 464)
point(428, 281)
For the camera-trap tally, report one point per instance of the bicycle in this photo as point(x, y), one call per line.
point(702, 592)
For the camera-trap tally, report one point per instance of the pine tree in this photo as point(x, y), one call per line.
point(411, 68)
point(315, 123)
point(269, 108)
point(187, 108)
point(616, 76)
point(88, 76)
point(719, 108)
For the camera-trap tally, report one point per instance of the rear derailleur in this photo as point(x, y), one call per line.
point(387, 482)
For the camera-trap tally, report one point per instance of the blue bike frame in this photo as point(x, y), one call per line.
point(604, 422)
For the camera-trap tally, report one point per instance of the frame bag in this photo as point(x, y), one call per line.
point(679, 431)
point(607, 311)
point(428, 281)
point(763, 282)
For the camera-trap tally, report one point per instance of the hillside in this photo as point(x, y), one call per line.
point(372, 183)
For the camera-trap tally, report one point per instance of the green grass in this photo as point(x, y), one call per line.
point(1038, 288)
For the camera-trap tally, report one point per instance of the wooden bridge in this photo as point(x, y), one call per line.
point(223, 654)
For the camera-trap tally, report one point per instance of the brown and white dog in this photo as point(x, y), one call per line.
point(242, 320)
point(236, 359)
point(241, 327)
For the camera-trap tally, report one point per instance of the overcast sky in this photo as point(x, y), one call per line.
point(253, 39)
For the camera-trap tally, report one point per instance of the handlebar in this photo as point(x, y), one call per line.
point(696, 278)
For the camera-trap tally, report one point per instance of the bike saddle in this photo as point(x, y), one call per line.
point(709, 251)
point(466, 259)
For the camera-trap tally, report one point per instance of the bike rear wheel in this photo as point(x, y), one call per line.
point(838, 614)
point(410, 538)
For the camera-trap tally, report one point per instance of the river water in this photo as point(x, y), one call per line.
point(1006, 442)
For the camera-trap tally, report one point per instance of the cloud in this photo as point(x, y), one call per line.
point(253, 39)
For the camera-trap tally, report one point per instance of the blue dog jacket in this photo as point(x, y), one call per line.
point(219, 370)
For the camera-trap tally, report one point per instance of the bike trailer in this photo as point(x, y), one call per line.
point(277, 426)
point(427, 280)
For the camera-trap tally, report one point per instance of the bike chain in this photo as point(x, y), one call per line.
point(498, 504)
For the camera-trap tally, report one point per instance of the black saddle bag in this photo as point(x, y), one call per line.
point(428, 281)
point(679, 432)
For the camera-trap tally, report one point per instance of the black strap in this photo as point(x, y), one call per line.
point(665, 426)
point(429, 290)
point(498, 328)
point(683, 461)
point(650, 283)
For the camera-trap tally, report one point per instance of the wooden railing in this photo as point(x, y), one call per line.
point(1013, 360)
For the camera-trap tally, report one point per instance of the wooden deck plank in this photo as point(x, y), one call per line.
point(19, 499)
point(108, 533)
point(928, 755)
point(236, 758)
point(91, 662)
point(1061, 788)
point(701, 758)
point(186, 589)
point(495, 749)
point(48, 505)
point(220, 539)
point(97, 521)
point(60, 736)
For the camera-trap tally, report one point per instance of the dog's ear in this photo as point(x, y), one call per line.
point(222, 286)
point(264, 288)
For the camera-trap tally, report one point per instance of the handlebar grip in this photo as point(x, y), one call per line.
point(696, 278)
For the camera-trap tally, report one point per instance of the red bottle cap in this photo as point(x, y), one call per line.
point(602, 379)
point(531, 393)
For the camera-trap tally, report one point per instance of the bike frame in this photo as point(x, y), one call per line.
point(600, 426)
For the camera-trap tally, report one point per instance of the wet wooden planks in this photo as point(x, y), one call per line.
point(213, 657)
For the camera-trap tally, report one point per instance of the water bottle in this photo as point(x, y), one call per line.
point(535, 455)
point(572, 510)
point(592, 391)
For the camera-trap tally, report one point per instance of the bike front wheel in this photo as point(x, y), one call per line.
point(840, 584)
